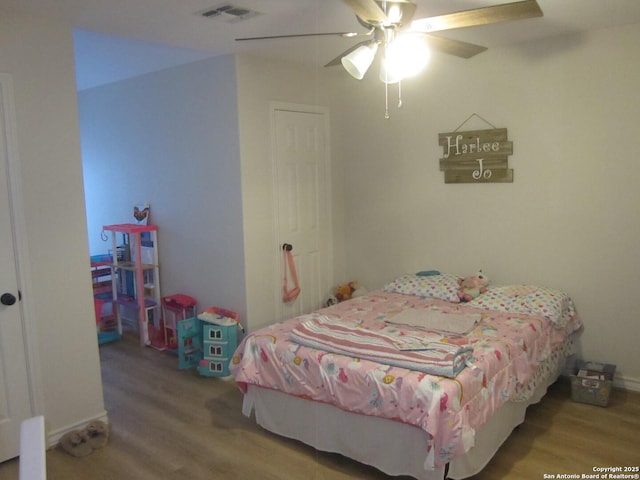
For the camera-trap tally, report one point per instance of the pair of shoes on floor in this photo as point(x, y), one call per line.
point(80, 443)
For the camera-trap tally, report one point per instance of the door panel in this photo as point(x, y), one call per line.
point(15, 404)
point(301, 165)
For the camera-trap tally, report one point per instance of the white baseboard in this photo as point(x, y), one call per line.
point(627, 383)
point(53, 437)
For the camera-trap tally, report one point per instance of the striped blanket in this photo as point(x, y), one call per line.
point(411, 352)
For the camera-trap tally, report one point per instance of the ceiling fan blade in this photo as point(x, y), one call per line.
point(408, 11)
point(338, 59)
point(478, 16)
point(453, 47)
point(367, 10)
point(341, 34)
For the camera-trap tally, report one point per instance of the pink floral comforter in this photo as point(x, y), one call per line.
point(508, 349)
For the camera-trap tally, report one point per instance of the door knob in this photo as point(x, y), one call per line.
point(7, 299)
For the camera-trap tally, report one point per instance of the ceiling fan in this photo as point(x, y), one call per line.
point(406, 41)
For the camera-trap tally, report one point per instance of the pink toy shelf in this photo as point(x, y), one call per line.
point(135, 277)
point(130, 228)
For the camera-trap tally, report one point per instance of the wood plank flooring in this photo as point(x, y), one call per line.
point(171, 424)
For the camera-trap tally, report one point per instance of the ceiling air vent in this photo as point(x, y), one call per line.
point(228, 13)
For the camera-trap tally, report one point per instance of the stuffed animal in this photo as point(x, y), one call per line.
point(472, 287)
point(345, 292)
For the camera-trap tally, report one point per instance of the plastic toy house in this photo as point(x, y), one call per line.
point(219, 341)
point(175, 309)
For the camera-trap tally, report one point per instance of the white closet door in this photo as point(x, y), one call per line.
point(302, 191)
point(15, 403)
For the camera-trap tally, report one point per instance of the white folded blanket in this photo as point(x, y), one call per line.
point(428, 319)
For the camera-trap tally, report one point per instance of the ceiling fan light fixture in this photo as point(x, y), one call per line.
point(388, 74)
point(404, 57)
point(358, 62)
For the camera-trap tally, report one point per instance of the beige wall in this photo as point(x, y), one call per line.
point(38, 55)
point(195, 149)
point(569, 220)
point(259, 83)
point(208, 164)
point(169, 129)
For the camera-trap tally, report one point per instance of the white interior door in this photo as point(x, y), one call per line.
point(302, 190)
point(15, 404)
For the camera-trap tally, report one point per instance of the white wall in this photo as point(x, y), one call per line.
point(170, 138)
point(260, 82)
point(38, 54)
point(194, 141)
point(569, 220)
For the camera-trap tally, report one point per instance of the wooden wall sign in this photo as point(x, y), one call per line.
point(476, 156)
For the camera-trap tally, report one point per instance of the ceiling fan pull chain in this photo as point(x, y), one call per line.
point(386, 100)
point(400, 94)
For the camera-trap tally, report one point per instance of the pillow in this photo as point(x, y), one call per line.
point(554, 305)
point(443, 287)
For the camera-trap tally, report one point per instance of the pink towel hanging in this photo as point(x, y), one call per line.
point(289, 295)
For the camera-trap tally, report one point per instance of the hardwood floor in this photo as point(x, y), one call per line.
point(171, 424)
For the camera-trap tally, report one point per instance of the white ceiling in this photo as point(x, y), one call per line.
point(116, 39)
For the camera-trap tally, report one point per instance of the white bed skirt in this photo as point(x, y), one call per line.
point(366, 439)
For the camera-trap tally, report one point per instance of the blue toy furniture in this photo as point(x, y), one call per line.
point(219, 341)
point(189, 343)
point(206, 342)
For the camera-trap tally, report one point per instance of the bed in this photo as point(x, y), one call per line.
point(407, 378)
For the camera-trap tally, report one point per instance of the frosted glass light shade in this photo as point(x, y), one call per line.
point(358, 62)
